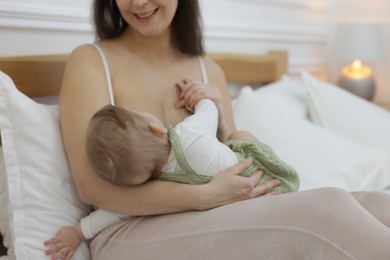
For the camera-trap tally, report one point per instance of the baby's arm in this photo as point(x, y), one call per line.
point(98, 221)
point(192, 92)
point(204, 119)
point(65, 243)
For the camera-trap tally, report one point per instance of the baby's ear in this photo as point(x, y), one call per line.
point(157, 130)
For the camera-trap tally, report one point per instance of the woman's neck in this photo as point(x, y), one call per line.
point(151, 48)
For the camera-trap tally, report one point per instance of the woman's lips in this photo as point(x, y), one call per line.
point(145, 15)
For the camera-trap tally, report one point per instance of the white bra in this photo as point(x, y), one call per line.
point(108, 76)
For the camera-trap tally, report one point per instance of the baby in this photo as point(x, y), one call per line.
point(129, 147)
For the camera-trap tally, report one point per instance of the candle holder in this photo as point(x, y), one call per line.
point(358, 79)
point(363, 42)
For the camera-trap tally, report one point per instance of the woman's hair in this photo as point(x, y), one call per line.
point(186, 24)
point(121, 149)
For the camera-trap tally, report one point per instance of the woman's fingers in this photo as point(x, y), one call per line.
point(274, 192)
point(251, 182)
point(255, 177)
point(240, 167)
point(266, 188)
point(228, 186)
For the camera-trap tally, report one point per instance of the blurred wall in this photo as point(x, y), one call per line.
point(302, 27)
point(43, 26)
point(256, 26)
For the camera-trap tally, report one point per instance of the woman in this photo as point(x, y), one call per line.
point(149, 46)
point(144, 64)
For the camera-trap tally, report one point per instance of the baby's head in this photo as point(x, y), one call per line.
point(126, 147)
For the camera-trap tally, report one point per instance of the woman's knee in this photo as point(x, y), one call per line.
point(334, 191)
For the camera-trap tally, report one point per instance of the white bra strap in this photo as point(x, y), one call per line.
point(107, 71)
point(203, 69)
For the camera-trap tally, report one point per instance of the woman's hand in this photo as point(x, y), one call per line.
point(228, 186)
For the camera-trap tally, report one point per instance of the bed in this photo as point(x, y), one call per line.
point(310, 124)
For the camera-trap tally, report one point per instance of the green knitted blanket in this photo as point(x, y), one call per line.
point(263, 158)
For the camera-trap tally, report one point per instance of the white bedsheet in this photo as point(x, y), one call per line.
point(277, 115)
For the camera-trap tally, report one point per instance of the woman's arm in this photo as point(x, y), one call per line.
point(83, 92)
point(217, 78)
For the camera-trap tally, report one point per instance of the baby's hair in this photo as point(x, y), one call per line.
point(121, 149)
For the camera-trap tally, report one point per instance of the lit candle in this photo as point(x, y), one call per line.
point(358, 78)
point(357, 70)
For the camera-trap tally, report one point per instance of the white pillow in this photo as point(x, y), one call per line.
point(320, 157)
point(289, 94)
point(347, 114)
point(4, 213)
point(40, 187)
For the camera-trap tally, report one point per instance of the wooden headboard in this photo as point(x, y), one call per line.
point(256, 69)
point(41, 75)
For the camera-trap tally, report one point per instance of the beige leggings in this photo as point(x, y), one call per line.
point(326, 223)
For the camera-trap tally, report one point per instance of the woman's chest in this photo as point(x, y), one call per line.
point(152, 90)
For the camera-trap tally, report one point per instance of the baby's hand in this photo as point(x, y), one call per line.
point(191, 92)
point(64, 244)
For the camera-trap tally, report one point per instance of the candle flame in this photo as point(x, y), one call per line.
point(356, 64)
point(357, 70)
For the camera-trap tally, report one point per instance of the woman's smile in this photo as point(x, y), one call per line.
point(148, 18)
point(145, 15)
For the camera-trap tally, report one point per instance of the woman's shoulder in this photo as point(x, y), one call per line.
point(84, 59)
point(212, 65)
point(214, 71)
point(83, 53)
point(84, 73)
